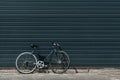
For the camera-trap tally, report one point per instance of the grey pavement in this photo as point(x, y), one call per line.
point(83, 74)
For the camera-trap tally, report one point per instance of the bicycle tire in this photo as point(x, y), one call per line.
point(62, 68)
point(26, 61)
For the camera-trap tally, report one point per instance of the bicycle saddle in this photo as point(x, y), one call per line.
point(34, 46)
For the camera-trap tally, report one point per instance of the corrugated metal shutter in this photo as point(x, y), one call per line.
point(89, 30)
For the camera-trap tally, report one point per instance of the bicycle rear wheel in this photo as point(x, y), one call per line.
point(26, 62)
point(60, 62)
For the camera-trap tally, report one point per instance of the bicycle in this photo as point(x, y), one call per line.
point(58, 60)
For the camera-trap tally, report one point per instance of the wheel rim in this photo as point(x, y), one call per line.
point(26, 62)
point(60, 63)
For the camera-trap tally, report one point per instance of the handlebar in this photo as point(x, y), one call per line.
point(57, 45)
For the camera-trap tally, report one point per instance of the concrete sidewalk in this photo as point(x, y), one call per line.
point(83, 74)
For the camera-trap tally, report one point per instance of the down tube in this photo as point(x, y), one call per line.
point(49, 56)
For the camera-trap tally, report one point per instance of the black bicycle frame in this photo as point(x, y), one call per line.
point(48, 58)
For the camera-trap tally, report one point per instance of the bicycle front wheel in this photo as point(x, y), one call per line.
point(60, 62)
point(26, 62)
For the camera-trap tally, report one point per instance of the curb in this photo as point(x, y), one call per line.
point(73, 71)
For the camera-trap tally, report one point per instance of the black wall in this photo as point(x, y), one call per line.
point(89, 30)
